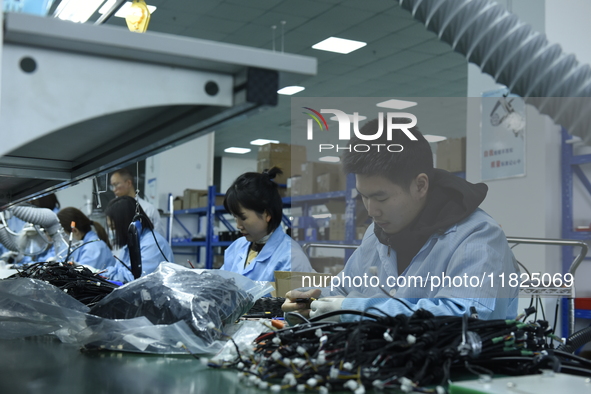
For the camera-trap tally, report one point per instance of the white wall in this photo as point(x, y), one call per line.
point(187, 166)
point(232, 167)
point(77, 196)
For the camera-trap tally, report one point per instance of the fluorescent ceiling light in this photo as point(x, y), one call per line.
point(289, 90)
point(330, 159)
point(339, 45)
point(262, 141)
point(360, 117)
point(123, 11)
point(322, 216)
point(396, 104)
point(434, 138)
point(78, 11)
point(240, 151)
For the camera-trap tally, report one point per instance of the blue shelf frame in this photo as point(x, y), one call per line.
point(213, 212)
point(571, 167)
point(308, 201)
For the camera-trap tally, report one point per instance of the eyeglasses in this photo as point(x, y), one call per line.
point(114, 186)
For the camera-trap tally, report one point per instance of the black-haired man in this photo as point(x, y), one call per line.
point(430, 245)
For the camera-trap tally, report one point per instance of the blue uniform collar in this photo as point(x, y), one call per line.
point(272, 244)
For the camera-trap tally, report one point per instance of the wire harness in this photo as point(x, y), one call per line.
point(410, 353)
point(75, 280)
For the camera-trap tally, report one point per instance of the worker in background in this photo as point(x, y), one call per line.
point(48, 201)
point(426, 223)
point(154, 249)
point(122, 184)
point(255, 203)
point(95, 250)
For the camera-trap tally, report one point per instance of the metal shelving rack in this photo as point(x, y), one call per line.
point(306, 202)
point(213, 213)
point(571, 167)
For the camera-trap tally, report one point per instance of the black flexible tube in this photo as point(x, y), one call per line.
point(576, 340)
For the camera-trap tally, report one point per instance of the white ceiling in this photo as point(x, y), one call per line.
point(402, 59)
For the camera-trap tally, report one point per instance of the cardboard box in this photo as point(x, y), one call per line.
point(285, 156)
point(310, 173)
point(219, 200)
point(288, 167)
point(329, 182)
point(282, 152)
point(451, 155)
point(177, 204)
point(191, 198)
point(293, 186)
point(337, 227)
point(290, 280)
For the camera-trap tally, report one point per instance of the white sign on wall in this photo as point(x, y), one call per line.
point(502, 139)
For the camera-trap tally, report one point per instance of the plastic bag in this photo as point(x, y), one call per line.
point(31, 307)
point(203, 299)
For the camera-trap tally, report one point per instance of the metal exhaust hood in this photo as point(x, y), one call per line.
point(78, 100)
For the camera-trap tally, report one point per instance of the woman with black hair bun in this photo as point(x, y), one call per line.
point(255, 203)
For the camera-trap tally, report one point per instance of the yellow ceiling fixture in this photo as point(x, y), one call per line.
point(138, 16)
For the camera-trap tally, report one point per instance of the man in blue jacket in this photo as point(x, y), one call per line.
point(429, 245)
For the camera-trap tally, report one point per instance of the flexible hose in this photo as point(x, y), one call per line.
point(7, 239)
point(575, 341)
point(44, 217)
point(514, 55)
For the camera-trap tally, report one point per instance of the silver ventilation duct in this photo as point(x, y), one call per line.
point(514, 55)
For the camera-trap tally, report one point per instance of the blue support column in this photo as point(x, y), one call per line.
point(350, 219)
point(210, 221)
point(567, 219)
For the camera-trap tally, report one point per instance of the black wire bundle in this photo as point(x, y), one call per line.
point(266, 307)
point(76, 280)
point(401, 352)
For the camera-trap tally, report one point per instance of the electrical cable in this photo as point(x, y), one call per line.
point(408, 353)
point(76, 280)
point(125, 265)
point(139, 216)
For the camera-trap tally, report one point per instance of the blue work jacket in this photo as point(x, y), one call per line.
point(151, 257)
point(280, 253)
point(95, 253)
point(474, 251)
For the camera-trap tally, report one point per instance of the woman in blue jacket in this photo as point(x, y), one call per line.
point(154, 249)
point(95, 250)
point(255, 203)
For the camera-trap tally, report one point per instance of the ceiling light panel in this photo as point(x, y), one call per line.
point(237, 150)
point(289, 90)
point(339, 45)
point(396, 104)
point(262, 141)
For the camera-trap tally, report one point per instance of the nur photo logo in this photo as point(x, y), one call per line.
point(388, 123)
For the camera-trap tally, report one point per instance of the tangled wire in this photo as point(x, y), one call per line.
point(410, 353)
point(76, 280)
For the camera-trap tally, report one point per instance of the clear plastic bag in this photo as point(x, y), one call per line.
point(170, 311)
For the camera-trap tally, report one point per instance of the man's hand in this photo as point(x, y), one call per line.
point(299, 301)
point(326, 305)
